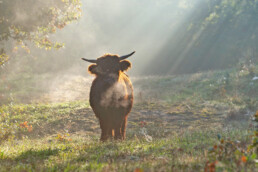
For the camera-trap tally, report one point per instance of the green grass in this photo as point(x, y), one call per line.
point(174, 126)
point(185, 151)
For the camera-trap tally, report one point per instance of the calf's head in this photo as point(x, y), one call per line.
point(109, 64)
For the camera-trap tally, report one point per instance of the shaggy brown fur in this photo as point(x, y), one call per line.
point(111, 95)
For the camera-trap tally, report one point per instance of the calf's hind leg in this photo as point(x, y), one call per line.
point(123, 128)
point(118, 133)
point(120, 129)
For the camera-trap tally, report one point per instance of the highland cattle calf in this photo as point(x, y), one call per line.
point(111, 94)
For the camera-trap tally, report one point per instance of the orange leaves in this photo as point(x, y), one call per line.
point(215, 147)
point(142, 123)
point(138, 170)
point(25, 125)
point(29, 128)
point(256, 116)
point(63, 138)
point(60, 137)
point(210, 167)
point(228, 152)
point(244, 159)
point(61, 26)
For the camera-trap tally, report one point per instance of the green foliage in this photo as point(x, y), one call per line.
point(216, 36)
point(239, 16)
point(230, 155)
point(254, 145)
point(32, 21)
point(235, 9)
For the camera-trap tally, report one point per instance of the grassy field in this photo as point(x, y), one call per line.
point(197, 122)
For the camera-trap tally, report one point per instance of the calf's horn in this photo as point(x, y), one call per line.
point(126, 56)
point(91, 61)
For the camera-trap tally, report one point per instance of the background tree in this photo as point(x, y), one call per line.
point(31, 21)
point(216, 35)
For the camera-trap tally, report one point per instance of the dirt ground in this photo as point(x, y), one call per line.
point(158, 117)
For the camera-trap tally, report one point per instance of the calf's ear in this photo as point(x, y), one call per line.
point(125, 65)
point(93, 69)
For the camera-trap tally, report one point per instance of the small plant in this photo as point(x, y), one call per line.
point(254, 144)
point(138, 170)
point(143, 131)
point(247, 63)
point(25, 125)
point(63, 138)
point(230, 154)
point(142, 124)
point(222, 91)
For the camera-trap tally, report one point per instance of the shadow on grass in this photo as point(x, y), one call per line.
point(30, 158)
point(126, 157)
point(37, 154)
